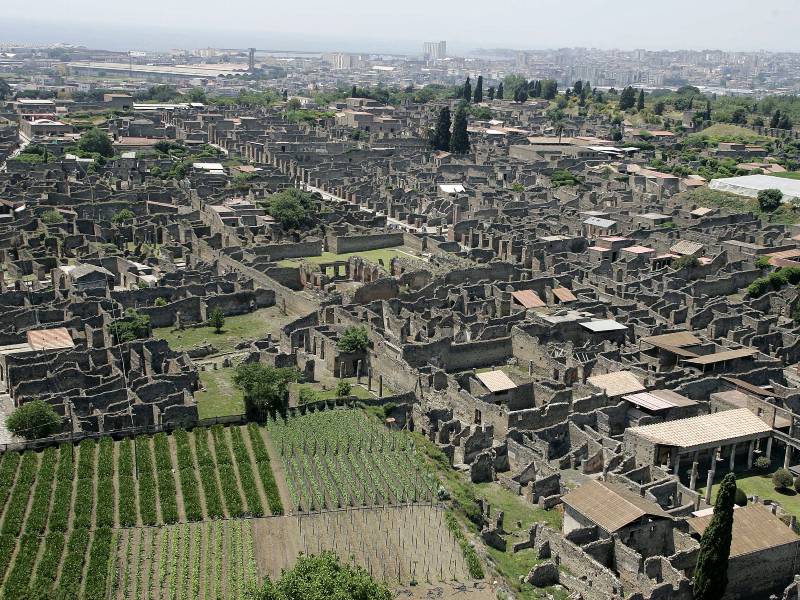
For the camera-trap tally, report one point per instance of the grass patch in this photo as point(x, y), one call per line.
point(323, 393)
point(375, 256)
point(252, 326)
point(221, 398)
point(787, 175)
point(786, 214)
point(725, 132)
point(759, 484)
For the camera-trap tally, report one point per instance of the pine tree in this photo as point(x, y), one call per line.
point(500, 91)
point(467, 90)
point(353, 92)
point(627, 99)
point(479, 89)
point(459, 142)
point(640, 101)
point(711, 572)
point(578, 87)
point(441, 136)
point(775, 120)
point(490, 92)
point(537, 89)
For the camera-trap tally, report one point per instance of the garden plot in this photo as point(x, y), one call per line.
point(397, 544)
point(340, 458)
point(210, 560)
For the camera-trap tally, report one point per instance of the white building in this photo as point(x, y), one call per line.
point(750, 185)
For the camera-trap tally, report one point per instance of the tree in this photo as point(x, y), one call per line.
point(741, 497)
point(549, 88)
point(96, 141)
point(711, 572)
point(640, 101)
point(217, 319)
point(52, 217)
point(354, 92)
point(490, 92)
point(123, 215)
point(479, 90)
point(578, 87)
point(769, 200)
point(659, 107)
point(343, 389)
point(627, 99)
point(33, 420)
point(459, 141)
point(292, 208)
point(323, 577)
point(685, 262)
point(133, 326)
point(354, 340)
point(265, 388)
point(441, 135)
point(5, 90)
point(500, 91)
point(782, 479)
point(467, 92)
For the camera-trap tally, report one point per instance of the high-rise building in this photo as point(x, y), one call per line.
point(435, 50)
point(251, 59)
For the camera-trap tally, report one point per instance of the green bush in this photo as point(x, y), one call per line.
point(769, 200)
point(777, 280)
point(33, 420)
point(762, 262)
point(762, 463)
point(354, 340)
point(758, 287)
point(52, 217)
point(741, 497)
point(782, 479)
point(343, 389)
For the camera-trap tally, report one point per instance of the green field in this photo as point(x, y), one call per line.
point(385, 254)
point(221, 398)
point(787, 175)
point(724, 132)
point(255, 325)
point(757, 484)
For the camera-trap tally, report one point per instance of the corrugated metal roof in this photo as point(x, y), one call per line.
point(50, 339)
point(678, 339)
point(528, 298)
point(563, 294)
point(708, 359)
point(617, 383)
point(649, 401)
point(686, 248)
point(611, 506)
point(755, 528)
point(496, 381)
point(704, 429)
point(598, 222)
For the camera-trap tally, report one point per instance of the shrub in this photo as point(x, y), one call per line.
point(741, 497)
point(782, 479)
point(762, 262)
point(762, 463)
point(307, 396)
point(160, 302)
point(124, 215)
point(685, 262)
point(217, 319)
point(777, 279)
point(52, 217)
point(33, 420)
point(791, 275)
point(758, 287)
point(343, 389)
point(97, 141)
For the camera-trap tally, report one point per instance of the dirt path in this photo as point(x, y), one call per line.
point(276, 463)
point(173, 458)
point(275, 544)
point(254, 468)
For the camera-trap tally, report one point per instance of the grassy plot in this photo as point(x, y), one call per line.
point(375, 256)
point(221, 398)
point(759, 484)
point(238, 328)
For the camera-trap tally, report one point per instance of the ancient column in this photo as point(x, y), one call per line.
point(693, 476)
point(731, 464)
point(750, 454)
point(787, 459)
point(768, 453)
point(710, 479)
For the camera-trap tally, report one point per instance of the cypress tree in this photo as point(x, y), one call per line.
point(500, 91)
point(441, 136)
point(708, 110)
point(467, 90)
point(479, 89)
point(353, 92)
point(711, 572)
point(776, 119)
point(490, 92)
point(640, 101)
point(459, 142)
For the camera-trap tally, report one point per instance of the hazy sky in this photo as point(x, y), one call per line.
point(402, 25)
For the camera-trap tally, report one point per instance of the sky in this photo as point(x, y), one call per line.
point(403, 25)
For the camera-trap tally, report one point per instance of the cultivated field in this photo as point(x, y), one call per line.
point(208, 560)
point(59, 509)
point(340, 458)
point(395, 544)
